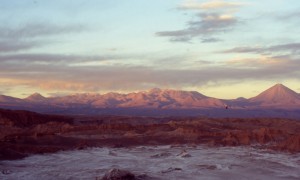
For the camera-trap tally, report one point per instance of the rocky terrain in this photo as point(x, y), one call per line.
point(23, 133)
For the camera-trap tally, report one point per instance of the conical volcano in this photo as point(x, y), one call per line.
point(36, 97)
point(277, 95)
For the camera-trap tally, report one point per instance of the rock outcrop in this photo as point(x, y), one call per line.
point(118, 174)
point(23, 133)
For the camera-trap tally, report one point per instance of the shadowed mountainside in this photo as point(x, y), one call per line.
point(23, 133)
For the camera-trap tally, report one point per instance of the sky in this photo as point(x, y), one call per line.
point(224, 49)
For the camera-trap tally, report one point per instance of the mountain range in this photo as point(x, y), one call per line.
point(157, 102)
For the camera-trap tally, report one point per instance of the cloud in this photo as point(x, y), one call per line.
point(177, 39)
point(210, 40)
point(45, 58)
point(16, 45)
point(212, 17)
point(194, 5)
point(33, 30)
point(243, 50)
point(293, 48)
point(289, 16)
point(121, 77)
point(262, 61)
point(208, 24)
point(30, 36)
point(212, 23)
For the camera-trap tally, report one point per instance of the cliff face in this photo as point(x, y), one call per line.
point(23, 133)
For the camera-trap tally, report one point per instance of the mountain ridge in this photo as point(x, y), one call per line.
point(276, 97)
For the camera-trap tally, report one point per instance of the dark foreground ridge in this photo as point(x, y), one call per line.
point(23, 133)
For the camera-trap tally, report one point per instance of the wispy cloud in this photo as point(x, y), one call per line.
point(289, 16)
point(195, 5)
point(32, 35)
point(210, 40)
point(32, 30)
point(293, 48)
point(208, 24)
point(262, 62)
point(16, 45)
point(211, 19)
point(54, 58)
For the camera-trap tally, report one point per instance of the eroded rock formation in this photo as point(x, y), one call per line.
point(23, 133)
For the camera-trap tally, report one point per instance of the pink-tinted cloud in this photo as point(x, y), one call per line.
point(110, 78)
point(215, 4)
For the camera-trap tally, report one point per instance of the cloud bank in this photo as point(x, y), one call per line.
point(55, 76)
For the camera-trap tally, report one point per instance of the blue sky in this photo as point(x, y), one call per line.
point(221, 48)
